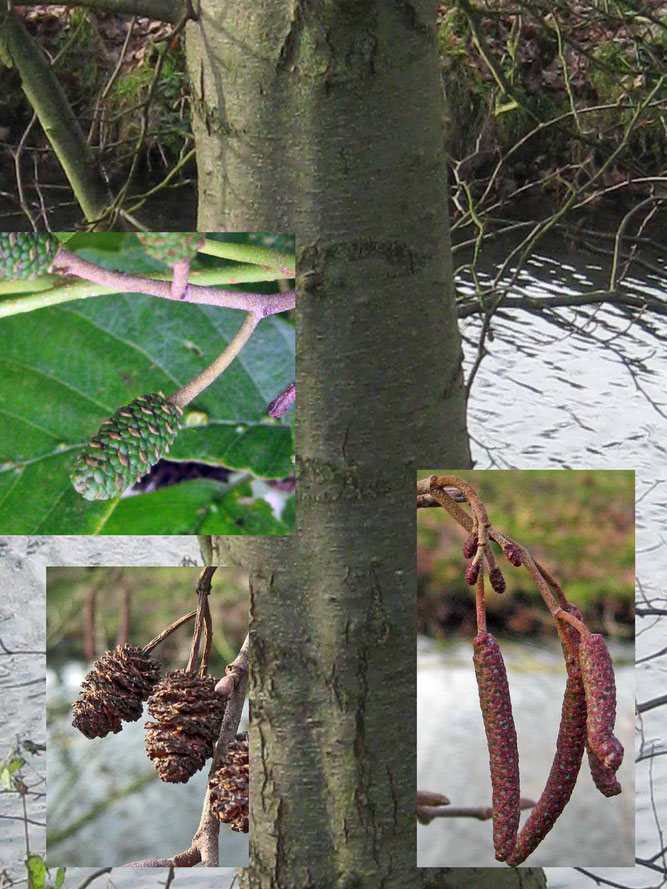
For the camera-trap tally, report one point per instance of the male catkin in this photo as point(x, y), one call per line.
point(603, 777)
point(494, 698)
point(598, 676)
point(569, 751)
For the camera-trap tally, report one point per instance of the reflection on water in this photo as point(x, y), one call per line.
point(452, 756)
point(153, 877)
point(591, 394)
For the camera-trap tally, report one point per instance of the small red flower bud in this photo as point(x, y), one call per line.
point(472, 570)
point(470, 546)
point(497, 581)
point(512, 554)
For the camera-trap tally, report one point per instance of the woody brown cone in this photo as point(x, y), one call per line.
point(188, 714)
point(229, 786)
point(113, 692)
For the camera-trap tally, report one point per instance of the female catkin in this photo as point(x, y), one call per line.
point(494, 697)
point(569, 751)
point(470, 546)
point(598, 677)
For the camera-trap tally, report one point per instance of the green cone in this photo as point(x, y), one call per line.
point(171, 247)
point(24, 255)
point(126, 446)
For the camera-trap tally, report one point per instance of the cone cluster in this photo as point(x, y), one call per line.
point(187, 713)
point(229, 786)
point(126, 446)
point(24, 255)
point(171, 247)
point(113, 692)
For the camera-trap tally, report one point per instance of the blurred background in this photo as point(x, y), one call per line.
point(580, 526)
point(105, 802)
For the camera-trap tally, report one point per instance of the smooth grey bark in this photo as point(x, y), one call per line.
point(332, 732)
point(324, 119)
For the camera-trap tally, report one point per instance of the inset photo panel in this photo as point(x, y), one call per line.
point(147, 383)
point(147, 717)
point(525, 668)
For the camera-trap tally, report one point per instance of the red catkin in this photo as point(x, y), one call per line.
point(470, 546)
point(472, 570)
point(512, 554)
point(497, 581)
point(603, 777)
point(494, 698)
point(569, 751)
point(598, 676)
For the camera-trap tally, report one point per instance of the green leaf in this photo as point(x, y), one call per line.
point(9, 770)
point(289, 514)
point(60, 878)
point(37, 872)
point(65, 369)
point(264, 450)
point(201, 506)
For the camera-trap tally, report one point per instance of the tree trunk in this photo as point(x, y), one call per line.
point(324, 119)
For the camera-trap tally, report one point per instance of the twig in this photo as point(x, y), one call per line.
point(203, 591)
point(426, 814)
point(536, 571)
point(262, 256)
point(234, 671)
point(652, 704)
point(580, 627)
point(192, 389)
point(262, 304)
point(208, 638)
point(92, 877)
point(162, 10)
point(425, 500)
point(170, 629)
point(28, 296)
point(140, 144)
point(429, 798)
point(6, 650)
point(54, 112)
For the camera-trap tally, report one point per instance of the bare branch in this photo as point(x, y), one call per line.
point(261, 304)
